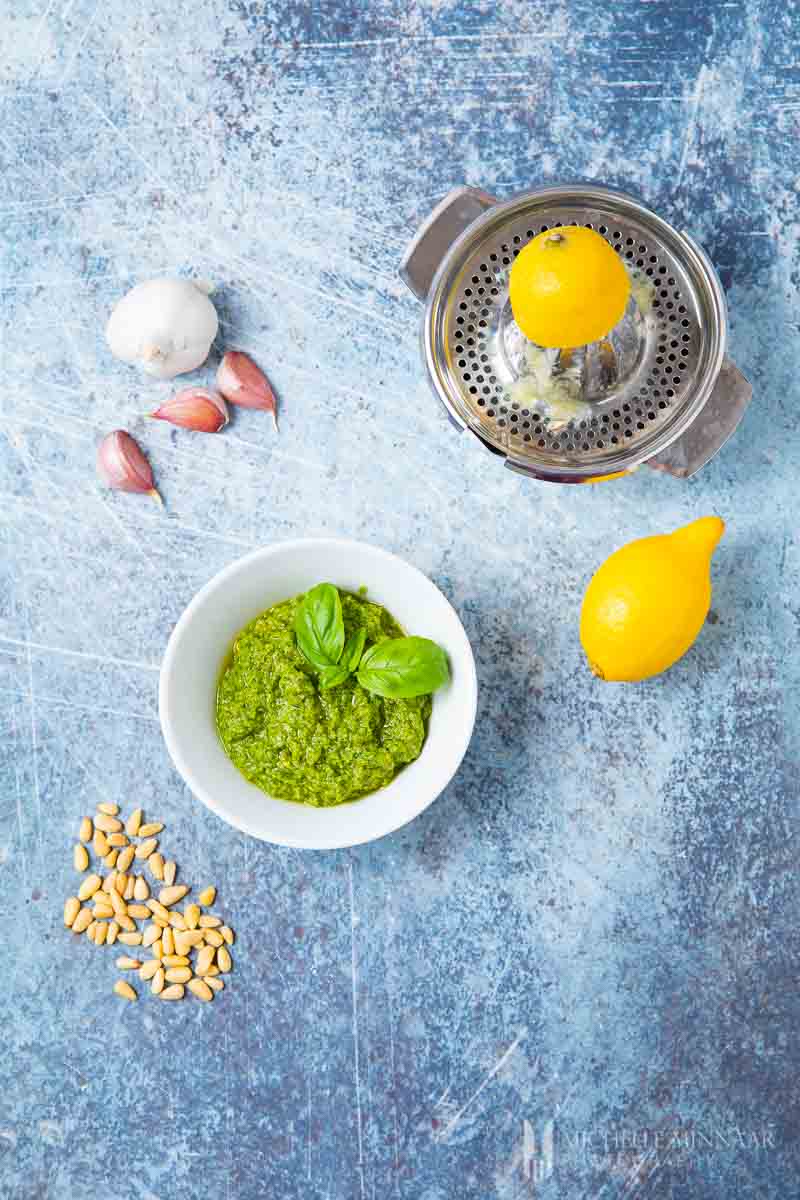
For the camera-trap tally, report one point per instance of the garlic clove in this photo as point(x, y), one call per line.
point(122, 465)
point(166, 326)
point(241, 382)
point(195, 408)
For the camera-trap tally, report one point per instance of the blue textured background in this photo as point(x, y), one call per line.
point(596, 925)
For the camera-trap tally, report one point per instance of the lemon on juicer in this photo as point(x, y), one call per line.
point(647, 603)
point(568, 288)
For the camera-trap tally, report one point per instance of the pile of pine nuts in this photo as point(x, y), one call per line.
point(189, 948)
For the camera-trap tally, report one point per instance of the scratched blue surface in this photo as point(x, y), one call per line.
point(576, 974)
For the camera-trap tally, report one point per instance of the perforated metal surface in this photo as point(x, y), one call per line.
point(593, 409)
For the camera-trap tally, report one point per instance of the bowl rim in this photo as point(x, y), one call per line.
point(219, 808)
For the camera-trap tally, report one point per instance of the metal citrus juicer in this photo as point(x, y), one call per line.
point(658, 389)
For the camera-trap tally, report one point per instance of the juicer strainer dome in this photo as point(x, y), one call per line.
point(657, 389)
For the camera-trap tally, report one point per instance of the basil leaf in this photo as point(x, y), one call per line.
point(330, 677)
point(319, 626)
point(402, 667)
point(353, 649)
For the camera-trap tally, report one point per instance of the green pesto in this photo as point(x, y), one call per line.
point(299, 743)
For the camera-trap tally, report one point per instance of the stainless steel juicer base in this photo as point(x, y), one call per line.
point(654, 390)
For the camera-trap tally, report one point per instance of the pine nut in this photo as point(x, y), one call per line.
point(205, 958)
point(178, 975)
point(89, 886)
point(106, 823)
point(173, 992)
point(191, 937)
point(126, 858)
point(121, 899)
point(100, 843)
point(82, 921)
point(133, 823)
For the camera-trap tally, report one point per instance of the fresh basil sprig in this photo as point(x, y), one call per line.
point(319, 626)
point(401, 667)
point(396, 667)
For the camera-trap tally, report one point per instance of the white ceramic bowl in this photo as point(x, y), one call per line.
point(203, 636)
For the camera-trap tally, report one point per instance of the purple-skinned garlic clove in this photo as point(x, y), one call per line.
point(122, 465)
point(196, 408)
point(242, 382)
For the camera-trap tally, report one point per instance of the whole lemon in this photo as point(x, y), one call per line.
point(647, 603)
point(568, 287)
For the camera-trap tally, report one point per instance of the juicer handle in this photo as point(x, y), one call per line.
point(437, 233)
point(719, 418)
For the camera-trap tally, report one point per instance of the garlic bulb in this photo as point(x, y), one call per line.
point(166, 326)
